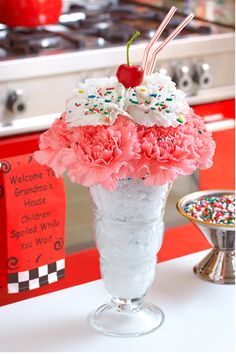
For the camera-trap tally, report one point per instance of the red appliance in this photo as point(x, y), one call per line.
point(29, 13)
point(222, 174)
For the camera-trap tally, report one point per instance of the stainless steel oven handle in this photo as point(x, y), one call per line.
point(28, 125)
point(213, 117)
point(40, 123)
point(221, 125)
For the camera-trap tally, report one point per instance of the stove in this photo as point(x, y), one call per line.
point(39, 66)
point(81, 29)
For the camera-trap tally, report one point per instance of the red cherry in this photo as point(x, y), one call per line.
point(130, 76)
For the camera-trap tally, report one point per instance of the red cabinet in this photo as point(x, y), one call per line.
point(19, 145)
point(222, 174)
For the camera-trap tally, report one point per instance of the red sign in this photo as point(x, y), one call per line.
point(32, 207)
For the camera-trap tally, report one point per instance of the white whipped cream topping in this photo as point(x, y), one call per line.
point(100, 101)
point(156, 102)
point(95, 102)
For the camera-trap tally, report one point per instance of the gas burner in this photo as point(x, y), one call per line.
point(32, 41)
point(84, 27)
point(146, 33)
point(133, 15)
point(123, 9)
point(93, 8)
point(73, 20)
point(94, 19)
point(80, 20)
point(118, 33)
point(192, 28)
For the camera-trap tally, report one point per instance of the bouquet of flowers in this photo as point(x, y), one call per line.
point(103, 154)
point(110, 133)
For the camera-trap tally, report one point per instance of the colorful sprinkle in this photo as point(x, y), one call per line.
point(132, 101)
point(180, 120)
point(213, 209)
point(100, 91)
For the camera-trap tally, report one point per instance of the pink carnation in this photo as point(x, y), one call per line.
point(52, 145)
point(104, 154)
point(203, 148)
point(169, 152)
point(100, 154)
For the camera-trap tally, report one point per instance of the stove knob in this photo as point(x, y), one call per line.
point(16, 102)
point(183, 78)
point(202, 75)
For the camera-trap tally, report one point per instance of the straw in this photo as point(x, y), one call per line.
point(167, 40)
point(156, 36)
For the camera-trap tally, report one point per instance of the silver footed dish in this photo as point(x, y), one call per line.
point(218, 266)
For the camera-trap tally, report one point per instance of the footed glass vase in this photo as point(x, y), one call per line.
point(129, 232)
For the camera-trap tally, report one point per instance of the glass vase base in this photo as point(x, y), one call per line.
point(113, 321)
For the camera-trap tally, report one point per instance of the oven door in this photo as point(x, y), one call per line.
point(220, 120)
point(79, 228)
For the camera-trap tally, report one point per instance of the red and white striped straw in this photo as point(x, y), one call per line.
point(167, 40)
point(156, 36)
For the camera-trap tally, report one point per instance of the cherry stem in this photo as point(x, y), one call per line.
point(128, 45)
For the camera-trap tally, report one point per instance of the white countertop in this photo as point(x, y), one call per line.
point(199, 316)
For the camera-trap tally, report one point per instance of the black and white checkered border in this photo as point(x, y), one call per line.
point(35, 278)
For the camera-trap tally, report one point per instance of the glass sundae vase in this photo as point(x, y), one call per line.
point(129, 231)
